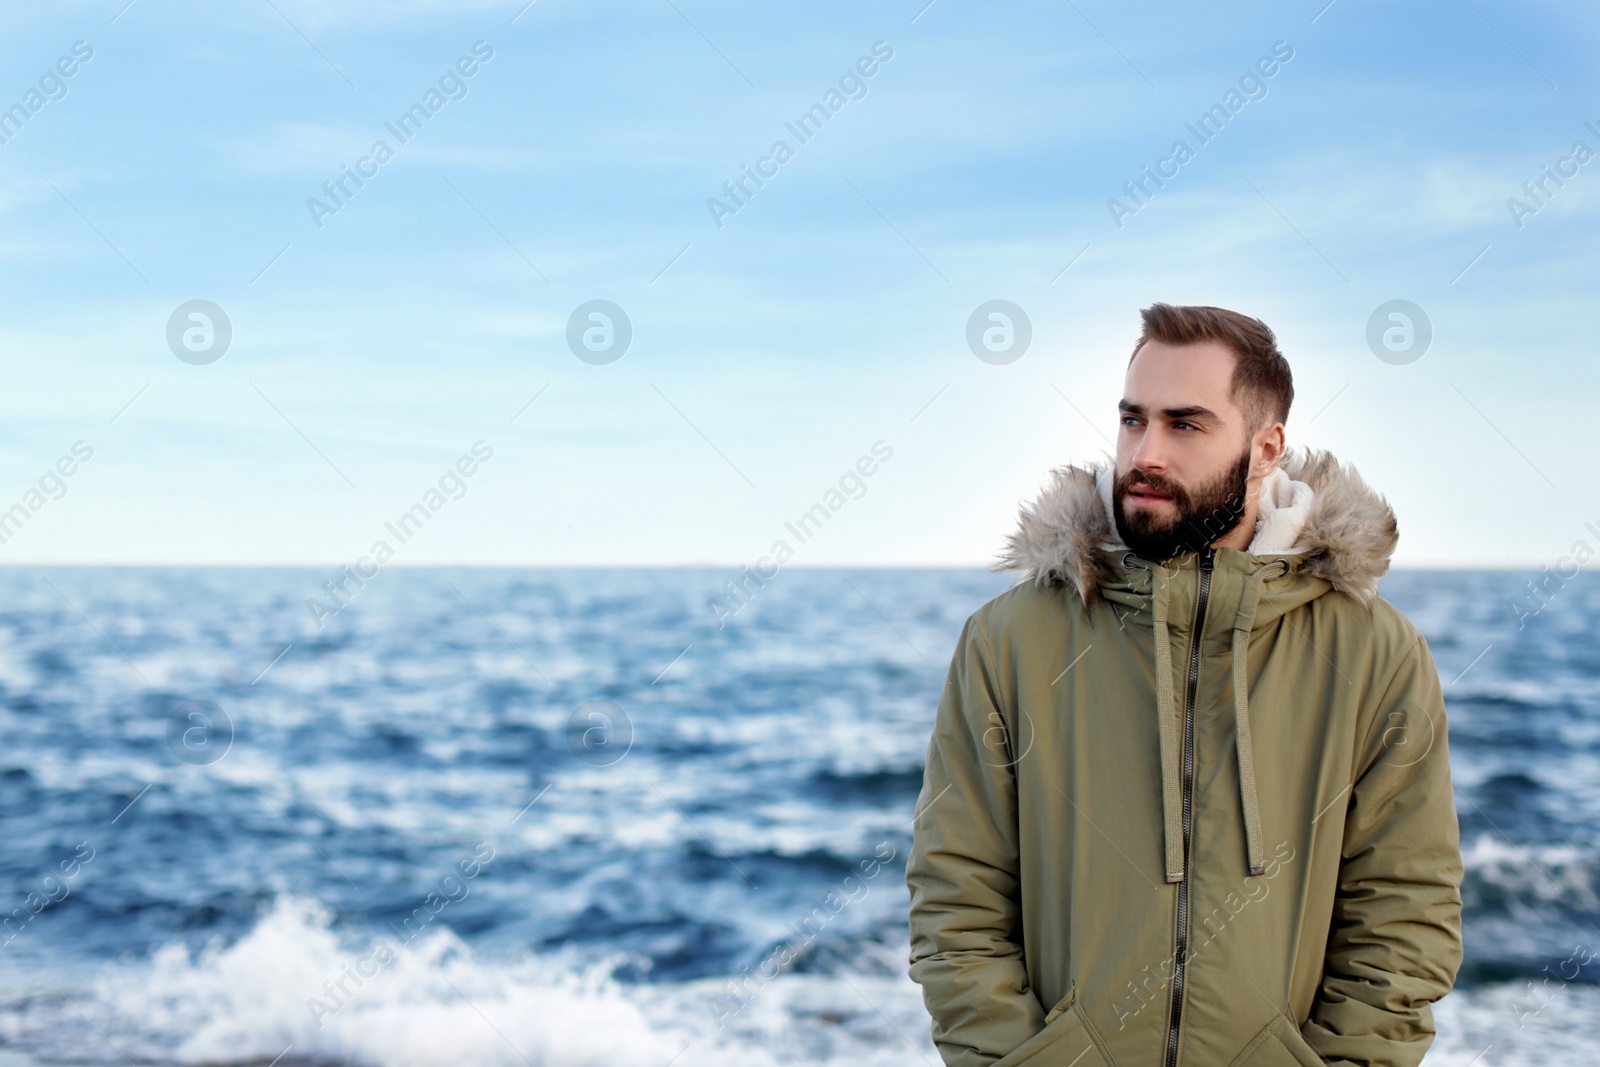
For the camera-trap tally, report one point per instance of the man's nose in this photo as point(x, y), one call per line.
point(1148, 455)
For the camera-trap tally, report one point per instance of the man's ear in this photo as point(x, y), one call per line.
point(1267, 447)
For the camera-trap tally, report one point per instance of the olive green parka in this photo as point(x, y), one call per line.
point(1195, 812)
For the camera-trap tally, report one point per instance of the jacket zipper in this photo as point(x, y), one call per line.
point(1180, 950)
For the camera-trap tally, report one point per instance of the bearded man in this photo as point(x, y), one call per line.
point(1187, 798)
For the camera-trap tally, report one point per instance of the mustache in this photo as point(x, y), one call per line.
point(1158, 482)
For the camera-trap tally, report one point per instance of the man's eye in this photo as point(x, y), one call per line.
point(1184, 425)
point(1129, 420)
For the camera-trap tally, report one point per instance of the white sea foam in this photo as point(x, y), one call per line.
point(1518, 1024)
point(1533, 875)
point(434, 1004)
point(440, 1003)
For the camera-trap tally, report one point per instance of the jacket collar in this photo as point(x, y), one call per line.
point(1346, 530)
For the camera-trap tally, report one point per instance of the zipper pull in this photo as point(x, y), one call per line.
point(1207, 558)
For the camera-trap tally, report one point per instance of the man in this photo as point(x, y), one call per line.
point(1187, 798)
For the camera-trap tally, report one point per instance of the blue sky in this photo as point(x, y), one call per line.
point(827, 314)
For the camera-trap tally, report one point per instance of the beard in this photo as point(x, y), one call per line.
point(1205, 514)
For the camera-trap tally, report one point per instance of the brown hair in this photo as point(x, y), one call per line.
point(1262, 385)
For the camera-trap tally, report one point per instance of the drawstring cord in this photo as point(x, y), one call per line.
point(1249, 599)
point(1167, 717)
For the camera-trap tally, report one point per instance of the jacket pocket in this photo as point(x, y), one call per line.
point(1278, 1044)
point(1064, 1041)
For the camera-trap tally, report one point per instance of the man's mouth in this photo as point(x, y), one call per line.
point(1145, 495)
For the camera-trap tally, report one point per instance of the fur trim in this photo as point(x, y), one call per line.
point(1351, 530)
point(1348, 536)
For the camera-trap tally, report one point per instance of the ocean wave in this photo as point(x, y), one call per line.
point(1502, 877)
point(284, 992)
point(766, 759)
point(1517, 1024)
point(294, 987)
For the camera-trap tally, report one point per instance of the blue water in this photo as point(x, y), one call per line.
point(571, 809)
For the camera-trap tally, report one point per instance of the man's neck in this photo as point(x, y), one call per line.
point(1245, 530)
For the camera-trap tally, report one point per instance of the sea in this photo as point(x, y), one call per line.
point(565, 817)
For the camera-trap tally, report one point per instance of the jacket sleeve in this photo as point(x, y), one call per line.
point(1395, 944)
point(966, 936)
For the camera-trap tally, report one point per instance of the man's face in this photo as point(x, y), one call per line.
point(1183, 454)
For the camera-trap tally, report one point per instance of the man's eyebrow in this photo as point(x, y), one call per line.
point(1193, 411)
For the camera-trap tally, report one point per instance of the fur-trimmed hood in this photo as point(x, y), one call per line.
point(1221, 771)
point(1319, 529)
point(1346, 539)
